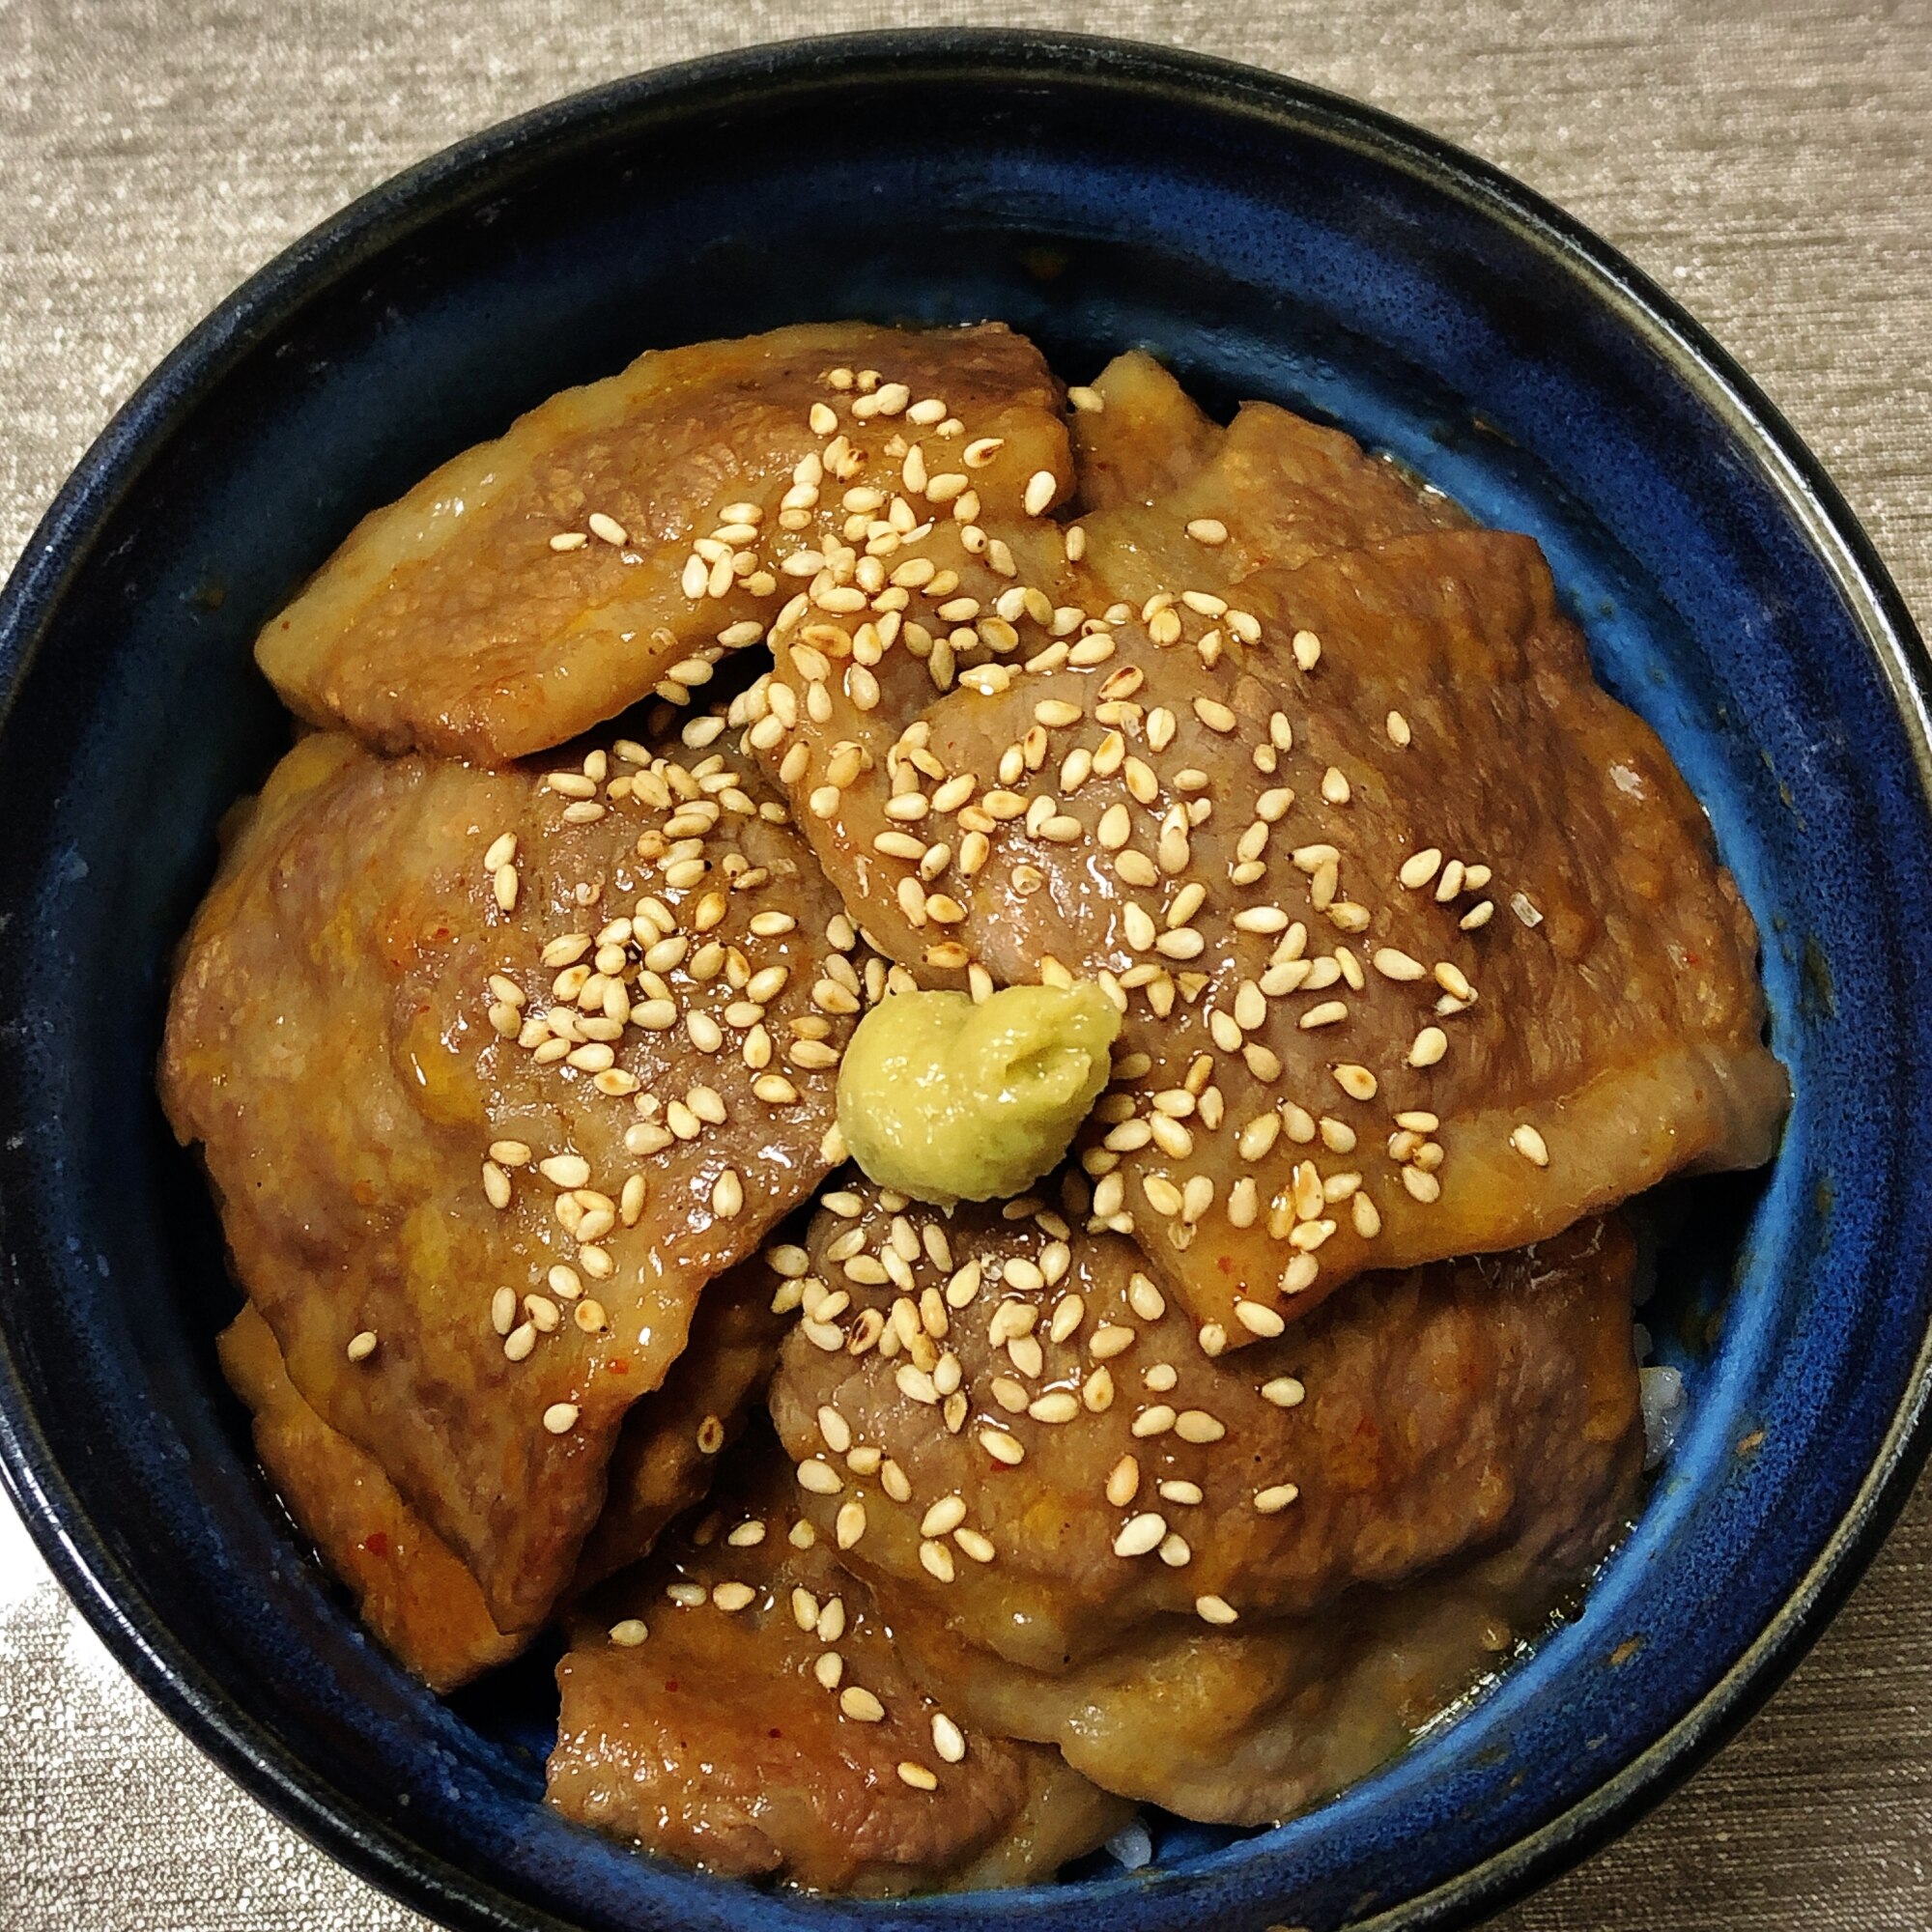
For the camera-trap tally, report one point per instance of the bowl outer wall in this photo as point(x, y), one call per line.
point(60, 859)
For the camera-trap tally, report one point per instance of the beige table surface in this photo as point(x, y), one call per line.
point(1769, 163)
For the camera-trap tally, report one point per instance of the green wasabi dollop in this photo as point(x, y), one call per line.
point(946, 1101)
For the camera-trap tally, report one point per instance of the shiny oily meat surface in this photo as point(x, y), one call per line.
point(738, 1704)
point(671, 1439)
point(474, 1194)
point(1137, 433)
point(622, 537)
point(1003, 1418)
point(1421, 939)
point(1249, 1725)
point(410, 1587)
point(412, 1590)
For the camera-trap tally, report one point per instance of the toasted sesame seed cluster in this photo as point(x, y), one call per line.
point(628, 537)
point(476, 1192)
point(1261, 776)
point(713, 704)
point(1002, 1412)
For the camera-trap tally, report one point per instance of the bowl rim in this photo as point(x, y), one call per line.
point(61, 545)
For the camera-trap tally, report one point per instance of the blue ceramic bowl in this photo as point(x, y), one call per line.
point(1269, 241)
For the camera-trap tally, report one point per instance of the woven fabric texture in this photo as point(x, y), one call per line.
point(1768, 161)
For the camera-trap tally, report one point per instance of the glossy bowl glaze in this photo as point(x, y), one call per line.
point(1268, 241)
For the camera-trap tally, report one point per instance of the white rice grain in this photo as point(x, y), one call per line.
point(1665, 1407)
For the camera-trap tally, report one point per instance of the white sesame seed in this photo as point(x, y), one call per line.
point(1392, 963)
point(1040, 490)
point(1531, 1144)
point(1140, 1535)
point(362, 1347)
point(1420, 868)
point(1357, 1082)
point(859, 1705)
point(1055, 1406)
point(628, 1634)
point(560, 1417)
point(1422, 1186)
point(1163, 1197)
point(608, 529)
point(944, 1517)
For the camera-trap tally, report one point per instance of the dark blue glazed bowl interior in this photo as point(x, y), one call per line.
point(1268, 242)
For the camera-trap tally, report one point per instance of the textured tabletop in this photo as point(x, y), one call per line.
point(1768, 162)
